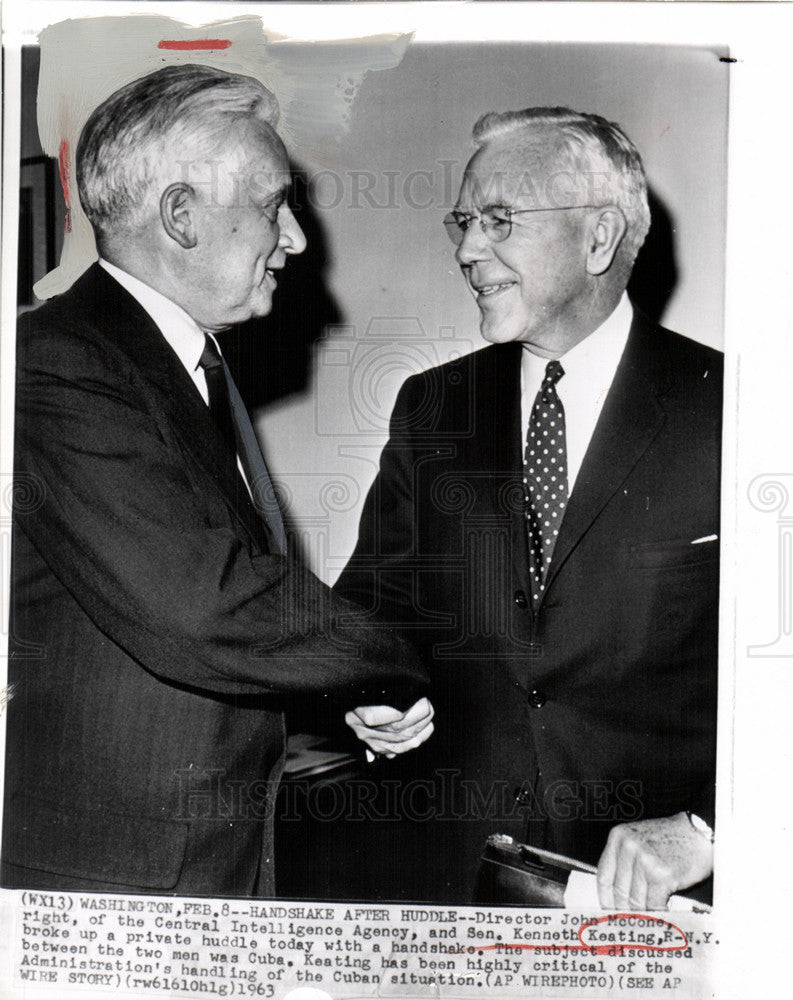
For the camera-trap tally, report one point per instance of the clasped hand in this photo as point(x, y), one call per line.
point(388, 731)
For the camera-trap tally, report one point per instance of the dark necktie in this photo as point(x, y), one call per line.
point(545, 477)
point(231, 417)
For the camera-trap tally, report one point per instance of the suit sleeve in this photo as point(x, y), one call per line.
point(121, 525)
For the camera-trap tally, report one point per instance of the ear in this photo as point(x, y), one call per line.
point(176, 213)
point(605, 237)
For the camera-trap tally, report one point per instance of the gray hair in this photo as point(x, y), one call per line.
point(585, 144)
point(128, 136)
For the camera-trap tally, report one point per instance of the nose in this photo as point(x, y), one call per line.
point(291, 238)
point(474, 247)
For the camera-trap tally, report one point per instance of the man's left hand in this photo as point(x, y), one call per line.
point(644, 863)
point(388, 731)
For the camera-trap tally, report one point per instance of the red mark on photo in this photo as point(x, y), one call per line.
point(200, 44)
point(63, 170)
point(621, 933)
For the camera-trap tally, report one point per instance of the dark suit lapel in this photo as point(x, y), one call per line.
point(631, 418)
point(497, 413)
point(135, 333)
point(497, 449)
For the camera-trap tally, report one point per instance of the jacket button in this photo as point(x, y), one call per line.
point(537, 698)
point(522, 796)
point(520, 599)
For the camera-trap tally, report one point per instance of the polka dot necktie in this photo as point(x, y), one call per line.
point(545, 477)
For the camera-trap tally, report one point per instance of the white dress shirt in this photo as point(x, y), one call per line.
point(589, 370)
point(180, 330)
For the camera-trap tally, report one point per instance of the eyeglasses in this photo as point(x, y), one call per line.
point(495, 221)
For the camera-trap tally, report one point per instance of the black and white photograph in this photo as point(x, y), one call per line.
point(371, 454)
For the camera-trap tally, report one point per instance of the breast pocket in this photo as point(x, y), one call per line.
point(677, 553)
point(670, 608)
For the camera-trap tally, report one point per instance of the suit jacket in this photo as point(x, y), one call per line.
point(154, 638)
point(601, 707)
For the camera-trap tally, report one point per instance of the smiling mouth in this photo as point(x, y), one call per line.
point(485, 291)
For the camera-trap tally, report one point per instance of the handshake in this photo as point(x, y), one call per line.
point(387, 732)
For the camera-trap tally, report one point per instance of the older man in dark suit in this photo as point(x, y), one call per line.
point(162, 622)
point(544, 526)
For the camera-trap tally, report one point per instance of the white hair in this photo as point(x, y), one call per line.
point(584, 144)
point(141, 126)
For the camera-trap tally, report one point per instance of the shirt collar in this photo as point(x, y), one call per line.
point(595, 358)
point(184, 335)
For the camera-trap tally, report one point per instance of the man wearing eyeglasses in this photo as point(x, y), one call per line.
point(544, 526)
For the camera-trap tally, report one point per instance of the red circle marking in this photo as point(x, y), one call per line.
point(199, 43)
point(621, 948)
